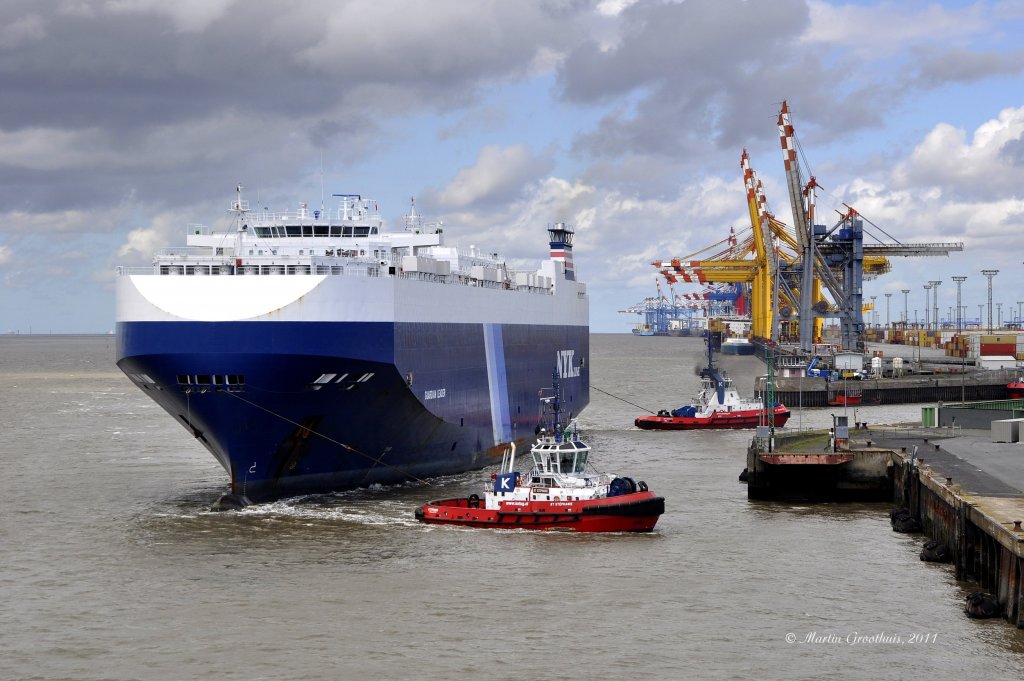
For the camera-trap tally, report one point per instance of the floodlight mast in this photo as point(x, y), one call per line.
point(990, 274)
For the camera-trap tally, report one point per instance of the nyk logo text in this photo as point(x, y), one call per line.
point(567, 368)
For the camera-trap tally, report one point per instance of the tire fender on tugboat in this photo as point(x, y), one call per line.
point(473, 501)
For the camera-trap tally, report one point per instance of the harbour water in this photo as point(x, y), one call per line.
point(113, 568)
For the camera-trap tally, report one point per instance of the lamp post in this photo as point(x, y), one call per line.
point(959, 339)
point(874, 313)
point(935, 289)
point(906, 310)
point(1019, 320)
point(999, 315)
point(990, 274)
point(959, 319)
point(981, 314)
point(887, 297)
point(927, 306)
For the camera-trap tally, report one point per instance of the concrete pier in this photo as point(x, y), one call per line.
point(965, 490)
point(807, 468)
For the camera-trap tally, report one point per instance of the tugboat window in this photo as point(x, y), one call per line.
point(566, 463)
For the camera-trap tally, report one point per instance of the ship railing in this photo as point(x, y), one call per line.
point(182, 252)
point(894, 433)
point(190, 265)
point(468, 280)
point(269, 219)
point(266, 218)
point(424, 276)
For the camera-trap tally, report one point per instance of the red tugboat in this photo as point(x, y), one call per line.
point(717, 406)
point(1016, 389)
point(845, 399)
point(558, 494)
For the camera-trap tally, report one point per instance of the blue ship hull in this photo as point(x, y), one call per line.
point(292, 408)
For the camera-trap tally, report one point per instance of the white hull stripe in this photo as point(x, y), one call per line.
point(501, 422)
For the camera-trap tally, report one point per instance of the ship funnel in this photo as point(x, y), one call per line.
point(560, 238)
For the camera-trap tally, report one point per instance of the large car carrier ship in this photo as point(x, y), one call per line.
point(315, 351)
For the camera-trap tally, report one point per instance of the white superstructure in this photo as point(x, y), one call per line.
point(324, 265)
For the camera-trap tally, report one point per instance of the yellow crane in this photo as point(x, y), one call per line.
point(779, 263)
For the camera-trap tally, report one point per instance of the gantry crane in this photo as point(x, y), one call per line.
point(835, 256)
point(790, 270)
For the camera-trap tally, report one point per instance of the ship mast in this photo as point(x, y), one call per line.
point(240, 207)
point(413, 222)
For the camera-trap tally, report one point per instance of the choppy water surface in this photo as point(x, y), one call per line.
point(113, 568)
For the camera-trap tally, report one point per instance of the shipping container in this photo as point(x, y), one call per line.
point(998, 349)
point(1000, 338)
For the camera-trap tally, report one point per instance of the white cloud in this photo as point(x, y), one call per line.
point(613, 7)
point(5, 254)
point(54, 148)
point(76, 8)
point(142, 243)
point(498, 173)
point(989, 165)
point(55, 221)
point(26, 29)
point(441, 40)
point(618, 234)
point(886, 28)
point(188, 16)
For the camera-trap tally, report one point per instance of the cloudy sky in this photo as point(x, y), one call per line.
point(121, 121)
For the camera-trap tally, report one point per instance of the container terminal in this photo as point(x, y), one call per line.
point(958, 476)
point(796, 291)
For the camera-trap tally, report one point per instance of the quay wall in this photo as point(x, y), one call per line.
point(985, 548)
point(816, 392)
